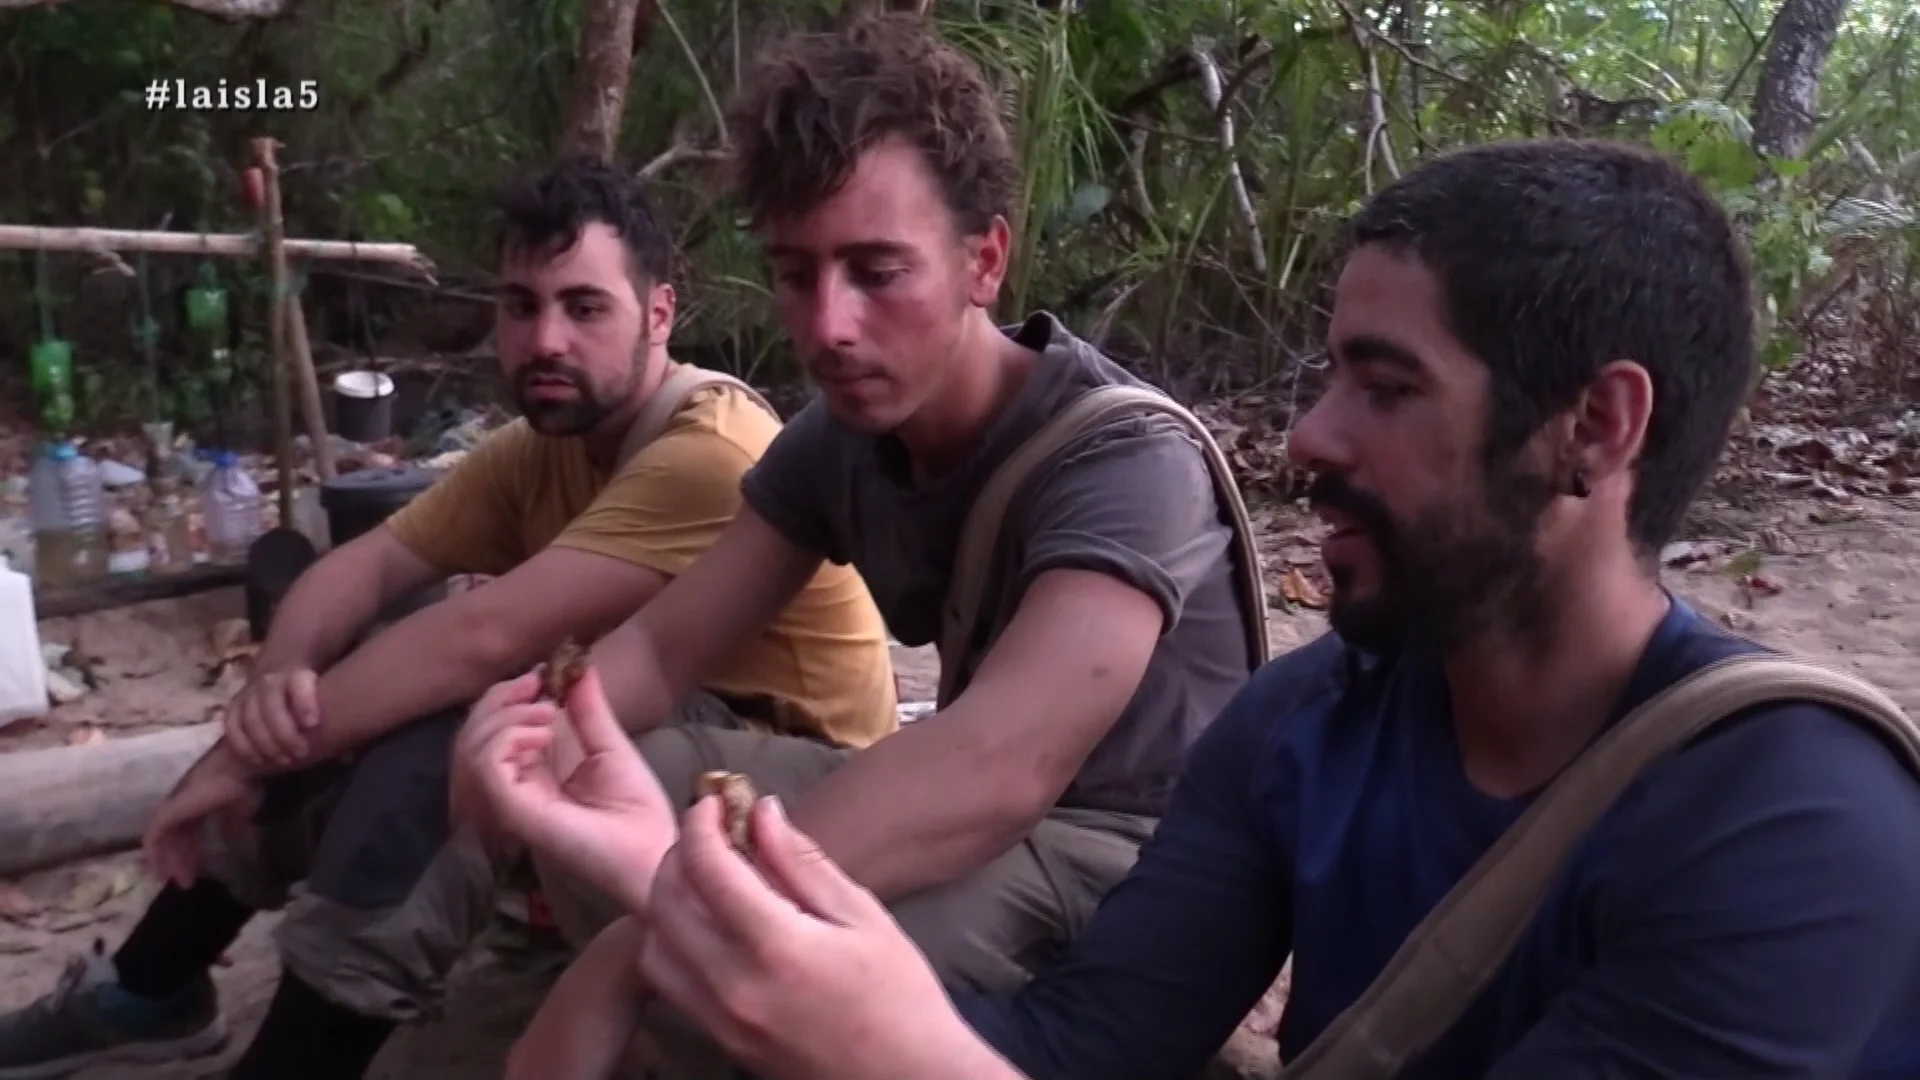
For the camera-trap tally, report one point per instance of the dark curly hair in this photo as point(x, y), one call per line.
point(545, 211)
point(813, 103)
point(1558, 256)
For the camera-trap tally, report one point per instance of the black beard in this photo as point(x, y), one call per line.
point(566, 419)
point(1448, 576)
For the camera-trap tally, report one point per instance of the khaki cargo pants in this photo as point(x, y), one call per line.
point(381, 896)
point(989, 931)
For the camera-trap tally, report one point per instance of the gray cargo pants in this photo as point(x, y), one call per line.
point(989, 931)
point(381, 895)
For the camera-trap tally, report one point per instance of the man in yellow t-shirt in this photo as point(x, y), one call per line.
point(343, 737)
point(815, 672)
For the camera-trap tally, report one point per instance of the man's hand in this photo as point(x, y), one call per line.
point(568, 783)
point(800, 974)
point(217, 785)
point(265, 719)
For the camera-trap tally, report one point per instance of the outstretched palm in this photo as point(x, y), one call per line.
point(568, 783)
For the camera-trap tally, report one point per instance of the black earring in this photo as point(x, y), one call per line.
point(1578, 486)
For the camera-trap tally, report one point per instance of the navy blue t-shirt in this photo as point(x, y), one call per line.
point(1750, 908)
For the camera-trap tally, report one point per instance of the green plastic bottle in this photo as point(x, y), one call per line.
point(52, 363)
point(207, 305)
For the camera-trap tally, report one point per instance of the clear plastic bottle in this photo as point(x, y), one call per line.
point(230, 508)
point(68, 507)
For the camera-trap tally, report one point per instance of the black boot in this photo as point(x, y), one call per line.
point(307, 1037)
point(179, 939)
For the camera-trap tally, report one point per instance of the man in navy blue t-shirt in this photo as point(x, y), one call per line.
point(1536, 353)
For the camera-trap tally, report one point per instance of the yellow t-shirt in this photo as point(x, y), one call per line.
point(823, 660)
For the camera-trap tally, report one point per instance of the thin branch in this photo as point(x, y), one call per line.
point(693, 61)
point(1250, 66)
point(678, 154)
point(1137, 170)
point(1379, 138)
point(1211, 86)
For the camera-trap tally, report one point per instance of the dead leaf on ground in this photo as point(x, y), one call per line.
point(229, 635)
point(1743, 564)
point(93, 889)
point(229, 674)
point(15, 904)
point(1299, 589)
point(68, 921)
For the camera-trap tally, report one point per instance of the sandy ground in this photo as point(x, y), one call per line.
point(1848, 590)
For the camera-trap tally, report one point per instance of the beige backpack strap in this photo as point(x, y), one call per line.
point(1085, 413)
point(681, 383)
point(1450, 957)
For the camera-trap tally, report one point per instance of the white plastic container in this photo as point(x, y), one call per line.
point(23, 671)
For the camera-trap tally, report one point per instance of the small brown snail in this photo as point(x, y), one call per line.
point(563, 670)
point(736, 799)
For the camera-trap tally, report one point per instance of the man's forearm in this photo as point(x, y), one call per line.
point(318, 619)
point(913, 811)
point(440, 657)
point(639, 690)
point(970, 1058)
point(588, 1021)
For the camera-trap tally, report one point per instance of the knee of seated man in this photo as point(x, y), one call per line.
point(675, 759)
point(977, 935)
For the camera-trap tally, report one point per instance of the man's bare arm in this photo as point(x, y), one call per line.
point(729, 593)
point(337, 597)
point(947, 794)
point(585, 1028)
point(448, 653)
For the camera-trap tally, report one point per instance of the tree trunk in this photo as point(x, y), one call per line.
point(1785, 102)
point(600, 77)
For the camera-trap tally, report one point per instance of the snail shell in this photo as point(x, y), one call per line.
point(736, 798)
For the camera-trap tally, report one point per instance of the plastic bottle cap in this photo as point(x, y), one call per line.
point(62, 451)
point(225, 459)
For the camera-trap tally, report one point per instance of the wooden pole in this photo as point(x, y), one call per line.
point(314, 416)
point(72, 802)
point(230, 245)
point(272, 229)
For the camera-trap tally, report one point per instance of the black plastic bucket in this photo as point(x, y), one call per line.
point(357, 502)
point(362, 407)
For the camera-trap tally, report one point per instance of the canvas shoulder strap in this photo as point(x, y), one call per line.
point(681, 383)
point(984, 519)
point(1456, 950)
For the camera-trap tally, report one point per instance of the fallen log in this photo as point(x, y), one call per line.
point(72, 802)
point(116, 592)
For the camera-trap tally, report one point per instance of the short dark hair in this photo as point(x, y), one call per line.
point(813, 103)
point(545, 212)
point(1556, 257)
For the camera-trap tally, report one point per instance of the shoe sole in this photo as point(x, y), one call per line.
point(208, 1040)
